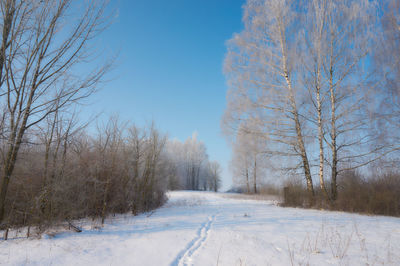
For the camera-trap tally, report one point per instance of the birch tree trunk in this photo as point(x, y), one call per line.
point(255, 175)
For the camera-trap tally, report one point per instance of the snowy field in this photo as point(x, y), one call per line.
point(199, 228)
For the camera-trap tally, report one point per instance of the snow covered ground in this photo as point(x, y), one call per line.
point(200, 228)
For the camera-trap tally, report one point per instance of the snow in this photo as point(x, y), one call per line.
point(204, 228)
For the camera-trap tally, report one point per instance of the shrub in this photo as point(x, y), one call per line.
point(374, 195)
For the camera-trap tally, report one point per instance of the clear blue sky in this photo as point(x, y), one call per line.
point(169, 68)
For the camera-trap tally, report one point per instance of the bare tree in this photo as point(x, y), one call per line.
point(215, 174)
point(135, 154)
point(8, 9)
point(314, 35)
point(196, 157)
point(345, 46)
point(109, 146)
point(249, 158)
point(240, 167)
point(262, 71)
point(241, 163)
point(387, 68)
point(44, 43)
point(154, 145)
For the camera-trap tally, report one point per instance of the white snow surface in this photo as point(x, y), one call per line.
point(204, 228)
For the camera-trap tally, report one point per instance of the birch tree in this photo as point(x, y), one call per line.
point(342, 47)
point(314, 40)
point(262, 72)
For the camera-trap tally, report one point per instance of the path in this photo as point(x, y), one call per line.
point(185, 256)
point(199, 228)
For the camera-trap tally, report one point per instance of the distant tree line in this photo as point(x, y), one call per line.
point(191, 168)
point(314, 91)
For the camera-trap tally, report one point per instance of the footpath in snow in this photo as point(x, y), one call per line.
point(203, 228)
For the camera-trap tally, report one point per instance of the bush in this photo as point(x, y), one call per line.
point(294, 194)
point(378, 195)
point(269, 189)
point(114, 172)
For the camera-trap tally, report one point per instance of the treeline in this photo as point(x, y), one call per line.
point(191, 168)
point(64, 172)
point(314, 90)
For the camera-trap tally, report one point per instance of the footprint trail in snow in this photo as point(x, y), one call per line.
point(185, 256)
